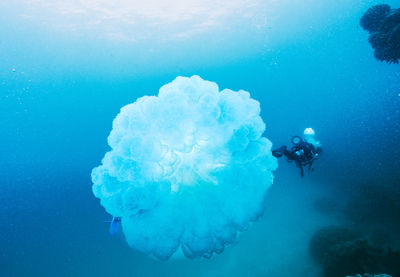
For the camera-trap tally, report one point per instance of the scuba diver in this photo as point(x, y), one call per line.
point(383, 25)
point(303, 152)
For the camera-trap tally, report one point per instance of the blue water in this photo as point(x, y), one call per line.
point(309, 65)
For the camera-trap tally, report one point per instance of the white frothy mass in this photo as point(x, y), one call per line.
point(188, 168)
point(309, 135)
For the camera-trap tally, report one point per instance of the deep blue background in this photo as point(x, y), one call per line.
point(56, 115)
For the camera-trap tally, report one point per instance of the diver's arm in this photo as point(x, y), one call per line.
point(279, 152)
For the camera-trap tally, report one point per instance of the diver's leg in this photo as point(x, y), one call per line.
point(310, 166)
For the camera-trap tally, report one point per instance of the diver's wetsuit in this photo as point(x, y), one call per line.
point(303, 153)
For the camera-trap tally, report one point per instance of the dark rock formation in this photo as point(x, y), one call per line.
point(373, 19)
point(370, 275)
point(342, 252)
point(383, 25)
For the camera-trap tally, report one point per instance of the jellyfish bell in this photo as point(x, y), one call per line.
point(188, 169)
